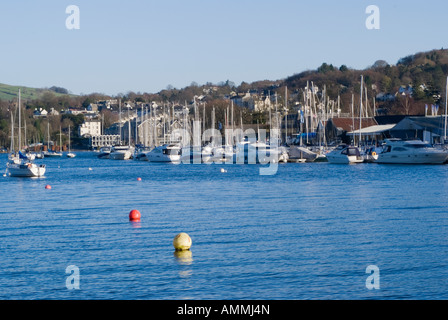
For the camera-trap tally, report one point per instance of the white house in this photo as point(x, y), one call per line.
point(90, 128)
point(53, 112)
point(40, 112)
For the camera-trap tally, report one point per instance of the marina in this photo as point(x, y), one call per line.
point(307, 232)
point(267, 214)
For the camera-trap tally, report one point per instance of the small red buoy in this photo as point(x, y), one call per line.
point(139, 179)
point(134, 215)
point(47, 186)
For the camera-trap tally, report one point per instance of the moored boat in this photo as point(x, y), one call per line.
point(345, 154)
point(121, 153)
point(398, 151)
point(104, 153)
point(165, 153)
point(25, 168)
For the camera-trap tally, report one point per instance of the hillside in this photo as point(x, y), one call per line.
point(9, 92)
point(424, 74)
point(402, 87)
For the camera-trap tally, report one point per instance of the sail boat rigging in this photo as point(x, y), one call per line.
point(70, 154)
point(50, 153)
point(19, 165)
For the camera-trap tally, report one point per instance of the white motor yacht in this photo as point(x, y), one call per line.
point(400, 151)
point(140, 153)
point(345, 154)
point(165, 153)
point(259, 153)
point(104, 153)
point(121, 153)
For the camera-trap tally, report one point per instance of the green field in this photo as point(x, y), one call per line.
point(8, 92)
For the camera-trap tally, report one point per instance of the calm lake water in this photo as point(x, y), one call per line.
point(307, 232)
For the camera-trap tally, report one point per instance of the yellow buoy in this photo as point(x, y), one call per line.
point(182, 242)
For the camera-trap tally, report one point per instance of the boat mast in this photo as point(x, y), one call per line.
point(213, 127)
point(353, 119)
point(203, 117)
point(12, 132)
point(232, 125)
point(164, 123)
point(367, 103)
point(145, 127)
point(129, 129)
point(136, 125)
point(48, 134)
point(119, 119)
point(360, 111)
point(286, 117)
point(154, 127)
point(69, 139)
point(307, 109)
point(24, 131)
point(374, 106)
point(20, 136)
point(446, 107)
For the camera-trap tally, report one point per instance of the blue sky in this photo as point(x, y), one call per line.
point(143, 46)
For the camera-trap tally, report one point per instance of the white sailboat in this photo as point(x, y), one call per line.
point(19, 165)
point(70, 154)
point(121, 152)
point(50, 153)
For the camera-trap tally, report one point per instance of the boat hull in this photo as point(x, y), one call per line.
point(120, 155)
point(52, 154)
point(165, 153)
point(104, 155)
point(424, 158)
point(162, 158)
point(343, 159)
point(397, 151)
point(26, 170)
point(345, 154)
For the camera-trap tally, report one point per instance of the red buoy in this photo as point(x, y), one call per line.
point(139, 179)
point(134, 215)
point(47, 186)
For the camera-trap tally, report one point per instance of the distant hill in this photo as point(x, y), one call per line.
point(423, 73)
point(9, 92)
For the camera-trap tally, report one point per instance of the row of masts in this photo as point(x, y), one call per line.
point(20, 146)
point(314, 112)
